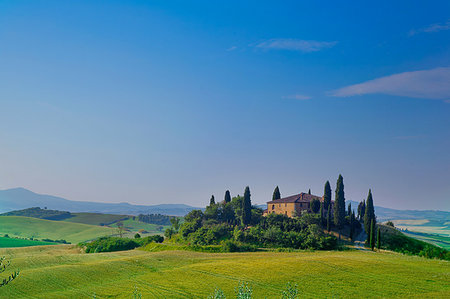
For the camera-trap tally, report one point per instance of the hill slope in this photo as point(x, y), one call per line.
point(20, 198)
point(39, 228)
point(62, 272)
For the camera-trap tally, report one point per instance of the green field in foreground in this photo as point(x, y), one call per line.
point(13, 242)
point(27, 227)
point(63, 272)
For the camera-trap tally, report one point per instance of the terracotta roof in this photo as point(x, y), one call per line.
point(302, 197)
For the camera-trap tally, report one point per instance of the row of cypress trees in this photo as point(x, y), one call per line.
point(246, 205)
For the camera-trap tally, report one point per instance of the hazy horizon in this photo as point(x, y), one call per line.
point(171, 102)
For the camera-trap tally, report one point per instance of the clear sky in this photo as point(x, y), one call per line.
point(171, 101)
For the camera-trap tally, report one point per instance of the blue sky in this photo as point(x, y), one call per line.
point(171, 101)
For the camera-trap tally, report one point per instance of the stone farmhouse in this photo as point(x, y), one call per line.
point(292, 206)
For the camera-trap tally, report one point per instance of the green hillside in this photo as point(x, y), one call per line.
point(62, 272)
point(27, 227)
point(95, 218)
point(13, 242)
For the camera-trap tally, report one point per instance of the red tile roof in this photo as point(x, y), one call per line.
point(302, 197)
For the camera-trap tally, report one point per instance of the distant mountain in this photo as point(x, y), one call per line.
point(20, 198)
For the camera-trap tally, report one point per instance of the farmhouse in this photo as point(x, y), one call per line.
point(291, 205)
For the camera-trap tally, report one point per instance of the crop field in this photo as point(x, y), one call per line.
point(27, 227)
point(13, 242)
point(62, 271)
point(432, 231)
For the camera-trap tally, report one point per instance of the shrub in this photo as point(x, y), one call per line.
point(108, 244)
point(137, 236)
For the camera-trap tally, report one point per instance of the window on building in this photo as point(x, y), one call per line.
point(273, 207)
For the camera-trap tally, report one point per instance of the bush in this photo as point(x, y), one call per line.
point(150, 239)
point(232, 246)
point(108, 244)
point(137, 236)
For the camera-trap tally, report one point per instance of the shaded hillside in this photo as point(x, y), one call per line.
point(20, 198)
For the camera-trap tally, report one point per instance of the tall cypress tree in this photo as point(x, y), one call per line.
point(212, 201)
point(372, 234)
point(352, 224)
point(369, 213)
point(329, 220)
point(349, 210)
point(321, 214)
point(378, 239)
point(246, 207)
point(339, 204)
point(227, 198)
point(309, 191)
point(327, 196)
point(276, 193)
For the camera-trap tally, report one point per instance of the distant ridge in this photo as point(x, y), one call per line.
point(21, 198)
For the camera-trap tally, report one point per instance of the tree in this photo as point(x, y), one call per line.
point(339, 204)
point(349, 210)
point(227, 198)
point(212, 201)
point(137, 236)
point(321, 214)
point(315, 205)
point(369, 213)
point(276, 193)
point(372, 234)
point(378, 239)
point(175, 221)
point(309, 191)
point(329, 220)
point(4, 264)
point(327, 196)
point(246, 207)
point(352, 225)
point(120, 228)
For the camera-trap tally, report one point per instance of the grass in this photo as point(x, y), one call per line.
point(63, 272)
point(438, 240)
point(13, 242)
point(134, 226)
point(94, 218)
point(26, 227)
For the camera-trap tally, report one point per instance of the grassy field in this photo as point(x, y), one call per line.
point(134, 226)
point(63, 272)
point(13, 242)
point(26, 227)
point(94, 218)
point(432, 231)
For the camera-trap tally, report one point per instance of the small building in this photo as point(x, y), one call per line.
point(291, 206)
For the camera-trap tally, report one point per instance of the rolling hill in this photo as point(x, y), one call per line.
point(27, 227)
point(20, 198)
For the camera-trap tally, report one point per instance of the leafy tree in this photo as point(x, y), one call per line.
point(137, 236)
point(194, 215)
point(175, 221)
point(227, 198)
point(276, 193)
point(390, 223)
point(369, 213)
point(315, 205)
point(4, 264)
point(120, 228)
point(372, 234)
point(329, 220)
point(339, 204)
point(378, 239)
point(327, 196)
point(246, 207)
point(212, 201)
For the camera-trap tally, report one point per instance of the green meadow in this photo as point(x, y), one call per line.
point(27, 227)
point(64, 272)
point(13, 242)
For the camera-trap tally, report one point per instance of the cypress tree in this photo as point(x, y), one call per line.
point(309, 191)
point(372, 234)
point(321, 214)
point(246, 207)
point(327, 196)
point(352, 216)
point(378, 239)
point(329, 220)
point(276, 193)
point(349, 209)
point(339, 204)
point(212, 201)
point(369, 213)
point(227, 198)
